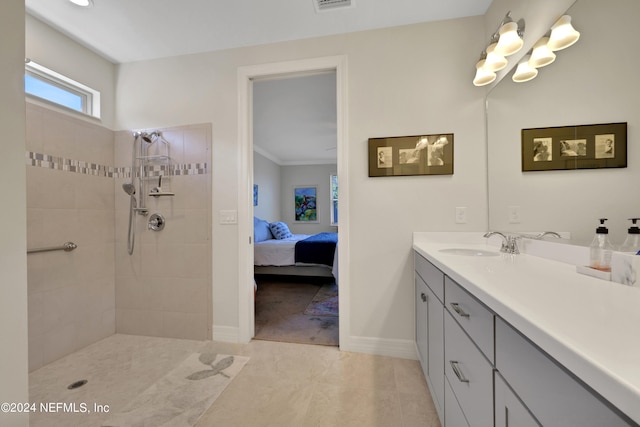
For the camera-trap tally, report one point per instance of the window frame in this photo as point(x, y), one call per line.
point(333, 201)
point(90, 98)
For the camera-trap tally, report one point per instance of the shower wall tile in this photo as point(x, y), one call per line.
point(70, 197)
point(191, 326)
point(198, 149)
point(139, 322)
point(34, 128)
point(174, 263)
point(75, 172)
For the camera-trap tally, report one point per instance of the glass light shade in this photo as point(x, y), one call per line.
point(495, 61)
point(524, 71)
point(541, 54)
point(563, 34)
point(509, 42)
point(483, 76)
point(83, 3)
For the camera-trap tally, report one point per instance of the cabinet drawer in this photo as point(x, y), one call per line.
point(474, 317)
point(469, 374)
point(552, 395)
point(433, 277)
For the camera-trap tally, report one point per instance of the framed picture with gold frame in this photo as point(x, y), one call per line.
point(411, 155)
point(575, 147)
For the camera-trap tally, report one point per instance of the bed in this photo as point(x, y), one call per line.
point(294, 254)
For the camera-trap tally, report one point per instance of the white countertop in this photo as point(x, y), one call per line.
point(587, 324)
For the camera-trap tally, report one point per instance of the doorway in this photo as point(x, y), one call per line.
point(294, 141)
point(246, 78)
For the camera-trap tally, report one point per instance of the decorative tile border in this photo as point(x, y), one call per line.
point(77, 166)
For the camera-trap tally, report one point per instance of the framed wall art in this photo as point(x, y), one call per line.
point(305, 199)
point(411, 155)
point(575, 147)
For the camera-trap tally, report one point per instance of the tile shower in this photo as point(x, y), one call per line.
point(75, 172)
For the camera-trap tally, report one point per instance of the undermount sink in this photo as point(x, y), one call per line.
point(469, 252)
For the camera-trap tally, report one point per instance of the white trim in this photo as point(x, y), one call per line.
point(404, 349)
point(225, 334)
point(245, 182)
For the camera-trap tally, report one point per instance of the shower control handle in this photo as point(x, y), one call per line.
point(156, 222)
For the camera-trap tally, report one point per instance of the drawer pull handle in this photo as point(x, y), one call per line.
point(456, 370)
point(457, 309)
point(423, 296)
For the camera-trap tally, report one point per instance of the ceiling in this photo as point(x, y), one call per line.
point(290, 130)
point(137, 30)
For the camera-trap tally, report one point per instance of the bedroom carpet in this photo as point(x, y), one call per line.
point(296, 311)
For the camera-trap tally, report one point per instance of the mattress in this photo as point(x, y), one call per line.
point(277, 252)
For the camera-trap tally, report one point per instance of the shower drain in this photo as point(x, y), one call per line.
point(77, 384)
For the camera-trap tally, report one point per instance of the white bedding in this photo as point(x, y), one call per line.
point(276, 252)
point(282, 252)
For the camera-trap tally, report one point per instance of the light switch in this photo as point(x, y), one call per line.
point(461, 215)
point(228, 217)
point(514, 214)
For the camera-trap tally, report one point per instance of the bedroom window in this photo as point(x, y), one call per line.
point(334, 200)
point(46, 84)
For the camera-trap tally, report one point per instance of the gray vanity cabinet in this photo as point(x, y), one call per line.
point(550, 393)
point(429, 288)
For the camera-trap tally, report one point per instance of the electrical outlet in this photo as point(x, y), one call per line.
point(461, 215)
point(513, 213)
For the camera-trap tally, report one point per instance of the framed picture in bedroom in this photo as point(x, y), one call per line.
point(411, 155)
point(255, 194)
point(305, 198)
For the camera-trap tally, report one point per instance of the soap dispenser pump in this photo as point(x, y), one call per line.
point(632, 242)
point(601, 248)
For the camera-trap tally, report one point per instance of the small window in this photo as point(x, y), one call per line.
point(334, 200)
point(50, 86)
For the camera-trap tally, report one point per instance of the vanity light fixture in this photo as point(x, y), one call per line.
point(483, 76)
point(510, 37)
point(495, 61)
point(506, 41)
point(541, 54)
point(563, 34)
point(525, 71)
point(83, 3)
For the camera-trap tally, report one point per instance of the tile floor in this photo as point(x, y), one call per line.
point(281, 385)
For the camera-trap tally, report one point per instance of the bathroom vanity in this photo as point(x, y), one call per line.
point(521, 340)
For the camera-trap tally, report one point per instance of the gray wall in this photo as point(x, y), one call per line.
point(13, 227)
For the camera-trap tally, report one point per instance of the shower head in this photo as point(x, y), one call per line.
point(149, 137)
point(129, 188)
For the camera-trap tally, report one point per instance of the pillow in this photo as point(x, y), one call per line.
point(280, 230)
point(261, 230)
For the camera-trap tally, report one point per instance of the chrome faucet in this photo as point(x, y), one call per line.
point(509, 243)
point(548, 233)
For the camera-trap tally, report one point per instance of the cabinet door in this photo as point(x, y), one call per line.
point(510, 412)
point(435, 348)
point(453, 416)
point(421, 324)
point(552, 395)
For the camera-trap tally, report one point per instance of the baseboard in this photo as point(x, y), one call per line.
point(225, 333)
point(404, 349)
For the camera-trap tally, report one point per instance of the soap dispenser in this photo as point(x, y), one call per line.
point(632, 242)
point(601, 248)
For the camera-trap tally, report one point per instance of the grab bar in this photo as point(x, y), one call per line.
point(67, 247)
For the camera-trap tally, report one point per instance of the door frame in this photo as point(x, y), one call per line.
point(246, 76)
